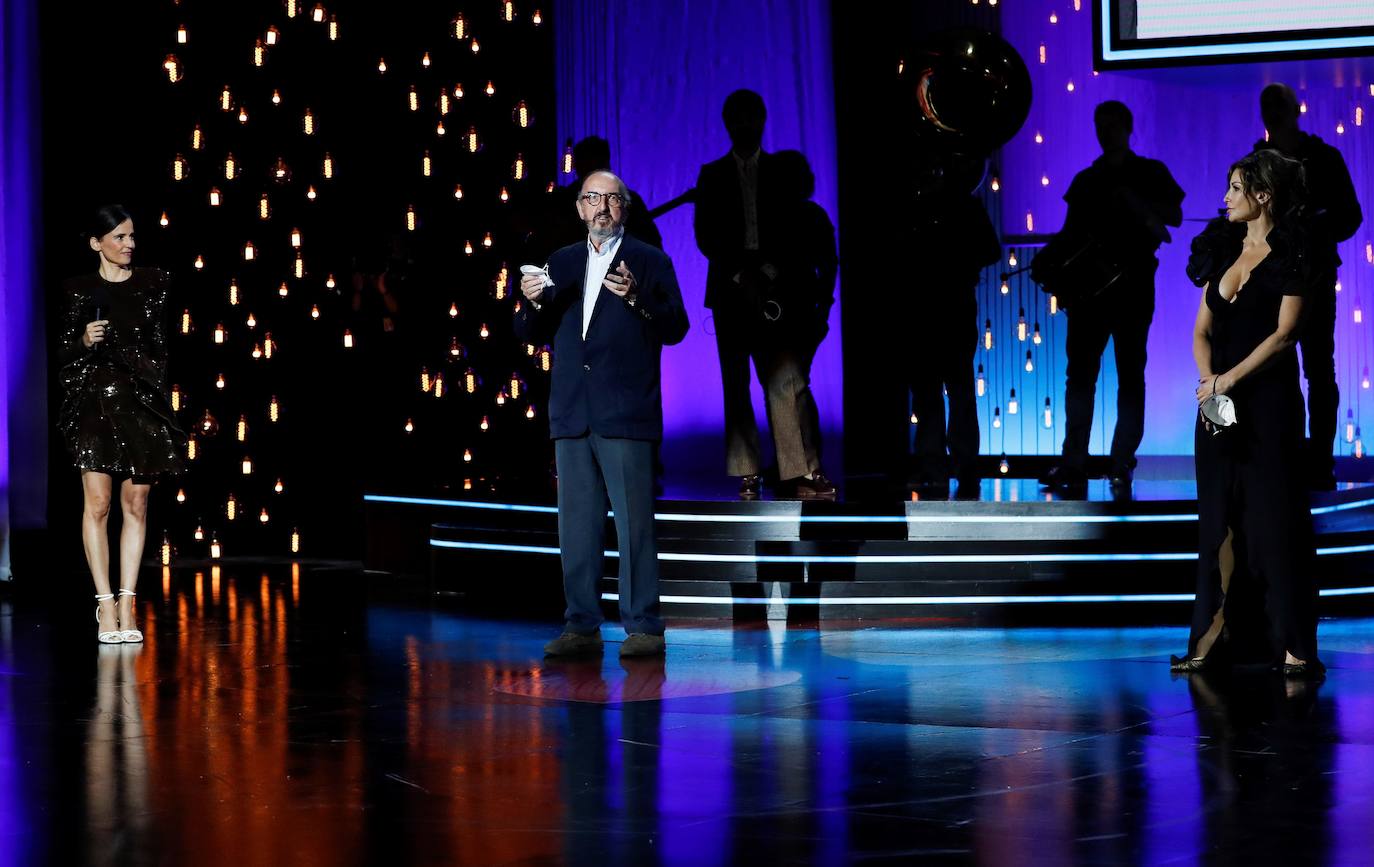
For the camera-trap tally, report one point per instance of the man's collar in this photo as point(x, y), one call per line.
point(753, 156)
point(614, 239)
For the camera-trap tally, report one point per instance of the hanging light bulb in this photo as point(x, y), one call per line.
point(426, 165)
point(486, 241)
point(243, 114)
point(467, 456)
point(172, 66)
point(1054, 304)
point(505, 195)
point(1349, 425)
point(231, 508)
point(410, 218)
point(1021, 325)
point(191, 447)
point(518, 170)
point(459, 28)
point(470, 381)
point(197, 138)
point(996, 185)
point(276, 96)
point(1039, 138)
point(1005, 289)
point(199, 263)
point(424, 61)
point(273, 409)
point(314, 311)
point(1012, 403)
point(413, 99)
point(251, 321)
point(1359, 315)
point(214, 197)
point(328, 165)
point(490, 89)
point(508, 10)
point(1035, 335)
point(987, 334)
point(257, 351)
point(1030, 363)
point(179, 168)
point(333, 28)
point(458, 90)
point(996, 417)
point(467, 247)
point(176, 398)
point(501, 397)
point(215, 549)
point(1003, 467)
point(219, 382)
point(259, 53)
point(230, 168)
point(545, 359)
point(529, 411)
point(249, 251)
point(981, 383)
point(453, 310)
point(186, 322)
point(458, 192)
point(247, 465)
point(536, 19)
point(279, 487)
point(165, 555)
point(567, 158)
point(347, 339)
point(475, 47)
point(484, 333)
point(425, 382)
point(329, 282)
point(262, 516)
point(1364, 378)
point(219, 333)
point(484, 424)
point(438, 385)
point(473, 144)
point(1049, 415)
point(522, 114)
point(455, 349)
point(295, 541)
point(264, 208)
point(310, 193)
point(318, 14)
point(181, 495)
point(443, 100)
point(268, 345)
point(233, 293)
point(226, 99)
point(308, 122)
point(410, 425)
point(241, 430)
point(1359, 444)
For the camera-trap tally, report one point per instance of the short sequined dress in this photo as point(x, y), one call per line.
point(116, 415)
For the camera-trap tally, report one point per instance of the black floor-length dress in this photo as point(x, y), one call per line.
point(116, 415)
point(1256, 591)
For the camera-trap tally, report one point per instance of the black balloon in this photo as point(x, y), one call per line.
point(971, 90)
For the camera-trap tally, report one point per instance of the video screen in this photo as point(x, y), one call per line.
point(1171, 32)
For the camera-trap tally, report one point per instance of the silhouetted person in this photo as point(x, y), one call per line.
point(1124, 202)
point(955, 240)
point(560, 226)
point(808, 264)
point(1333, 215)
point(740, 230)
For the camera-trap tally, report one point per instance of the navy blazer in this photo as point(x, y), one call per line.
point(609, 383)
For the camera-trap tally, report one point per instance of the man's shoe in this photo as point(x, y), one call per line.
point(970, 488)
point(816, 488)
point(642, 644)
point(1120, 478)
point(574, 644)
point(1064, 476)
point(750, 487)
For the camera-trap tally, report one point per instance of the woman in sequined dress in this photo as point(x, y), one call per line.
point(116, 417)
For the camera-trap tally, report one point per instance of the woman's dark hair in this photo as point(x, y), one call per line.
point(104, 221)
point(1268, 171)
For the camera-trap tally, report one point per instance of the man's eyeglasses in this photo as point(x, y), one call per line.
point(594, 199)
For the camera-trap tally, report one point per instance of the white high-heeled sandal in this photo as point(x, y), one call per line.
point(129, 636)
point(112, 636)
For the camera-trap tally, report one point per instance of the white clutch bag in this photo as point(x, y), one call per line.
point(1220, 410)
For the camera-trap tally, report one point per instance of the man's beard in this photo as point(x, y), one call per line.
point(600, 233)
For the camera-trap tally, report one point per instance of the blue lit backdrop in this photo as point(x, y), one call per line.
point(651, 78)
point(1197, 120)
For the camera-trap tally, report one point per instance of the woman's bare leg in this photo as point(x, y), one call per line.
point(133, 499)
point(94, 519)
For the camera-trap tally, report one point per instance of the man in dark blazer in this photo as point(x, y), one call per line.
point(742, 210)
point(613, 305)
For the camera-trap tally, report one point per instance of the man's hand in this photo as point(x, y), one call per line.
point(622, 283)
point(532, 287)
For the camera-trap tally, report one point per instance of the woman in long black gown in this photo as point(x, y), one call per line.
point(1256, 596)
point(116, 417)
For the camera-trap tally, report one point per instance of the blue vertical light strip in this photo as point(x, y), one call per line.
point(23, 421)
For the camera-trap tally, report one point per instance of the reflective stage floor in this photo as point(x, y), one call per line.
point(319, 716)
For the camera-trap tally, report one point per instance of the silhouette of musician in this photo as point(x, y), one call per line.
point(1123, 203)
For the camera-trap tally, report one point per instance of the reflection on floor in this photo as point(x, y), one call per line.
point(297, 715)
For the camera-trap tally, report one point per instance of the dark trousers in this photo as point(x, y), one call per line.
point(1123, 313)
point(1317, 341)
point(592, 468)
point(785, 373)
point(944, 363)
